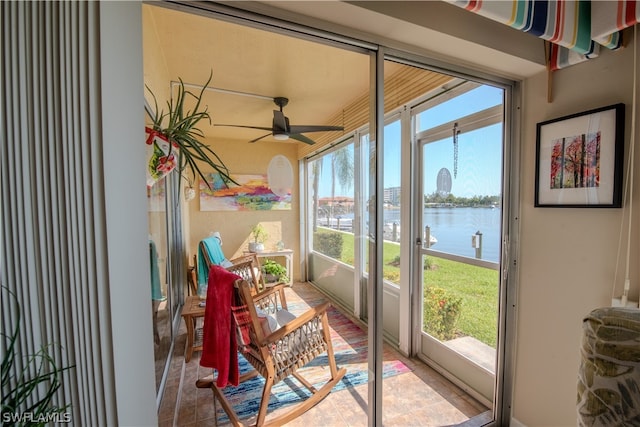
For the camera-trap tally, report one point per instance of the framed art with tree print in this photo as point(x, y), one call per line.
point(579, 159)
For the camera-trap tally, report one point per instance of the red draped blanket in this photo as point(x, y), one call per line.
point(219, 346)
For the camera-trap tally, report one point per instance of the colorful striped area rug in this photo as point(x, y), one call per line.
point(350, 349)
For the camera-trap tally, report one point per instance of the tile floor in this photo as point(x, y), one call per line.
point(421, 397)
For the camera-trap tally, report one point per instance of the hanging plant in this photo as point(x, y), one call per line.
point(175, 134)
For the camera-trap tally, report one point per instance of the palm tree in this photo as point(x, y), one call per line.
point(316, 170)
point(342, 169)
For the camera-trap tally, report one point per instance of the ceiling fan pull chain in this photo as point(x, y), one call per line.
point(456, 132)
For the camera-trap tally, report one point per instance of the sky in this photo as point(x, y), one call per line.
point(479, 152)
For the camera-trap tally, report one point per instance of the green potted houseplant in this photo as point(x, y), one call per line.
point(173, 139)
point(274, 272)
point(260, 235)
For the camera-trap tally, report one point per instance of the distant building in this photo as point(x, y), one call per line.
point(392, 195)
point(343, 201)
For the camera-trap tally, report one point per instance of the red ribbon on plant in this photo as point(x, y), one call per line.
point(152, 134)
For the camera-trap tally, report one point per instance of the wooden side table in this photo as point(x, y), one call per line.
point(191, 311)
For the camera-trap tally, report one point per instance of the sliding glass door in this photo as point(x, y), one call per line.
point(459, 216)
point(166, 264)
point(443, 224)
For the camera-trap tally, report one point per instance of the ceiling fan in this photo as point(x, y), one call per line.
point(282, 130)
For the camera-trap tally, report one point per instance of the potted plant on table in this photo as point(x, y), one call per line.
point(274, 272)
point(260, 235)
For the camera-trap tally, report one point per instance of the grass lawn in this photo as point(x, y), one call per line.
point(478, 289)
point(476, 286)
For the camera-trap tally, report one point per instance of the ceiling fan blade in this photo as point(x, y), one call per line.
point(301, 138)
point(263, 136)
point(248, 127)
point(280, 122)
point(311, 128)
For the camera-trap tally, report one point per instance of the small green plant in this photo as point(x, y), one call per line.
point(395, 262)
point(276, 270)
point(441, 313)
point(28, 388)
point(429, 264)
point(259, 233)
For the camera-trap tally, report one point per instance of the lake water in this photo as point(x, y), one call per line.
point(454, 227)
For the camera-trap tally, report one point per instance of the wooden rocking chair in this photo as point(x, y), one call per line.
point(246, 266)
point(277, 354)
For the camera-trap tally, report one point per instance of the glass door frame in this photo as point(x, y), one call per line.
point(175, 271)
point(505, 345)
point(476, 378)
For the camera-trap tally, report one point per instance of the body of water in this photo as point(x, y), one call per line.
point(452, 227)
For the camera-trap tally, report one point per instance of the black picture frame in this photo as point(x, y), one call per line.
point(579, 159)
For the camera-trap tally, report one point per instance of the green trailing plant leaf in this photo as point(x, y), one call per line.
point(180, 128)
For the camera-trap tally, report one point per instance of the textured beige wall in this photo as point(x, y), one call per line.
point(567, 256)
point(242, 157)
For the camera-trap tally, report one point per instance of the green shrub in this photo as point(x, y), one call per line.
point(329, 244)
point(429, 264)
point(441, 313)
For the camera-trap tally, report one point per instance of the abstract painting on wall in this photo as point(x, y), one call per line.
point(579, 159)
point(252, 193)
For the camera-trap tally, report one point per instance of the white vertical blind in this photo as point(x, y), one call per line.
point(49, 158)
point(53, 215)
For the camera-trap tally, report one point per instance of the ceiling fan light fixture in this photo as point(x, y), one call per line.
point(282, 130)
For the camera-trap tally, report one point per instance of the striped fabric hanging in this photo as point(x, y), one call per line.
point(607, 20)
point(561, 57)
point(576, 28)
point(566, 23)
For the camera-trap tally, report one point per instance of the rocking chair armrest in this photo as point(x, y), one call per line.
point(240, 262)
point(268, 291)
point(317, 311)
point(239, 259)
